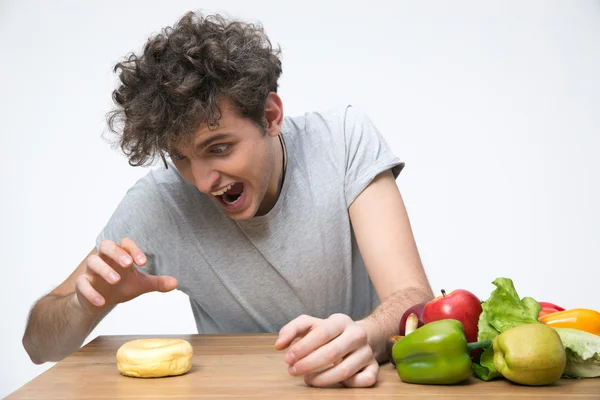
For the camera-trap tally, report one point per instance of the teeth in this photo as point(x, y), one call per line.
point(220, 192)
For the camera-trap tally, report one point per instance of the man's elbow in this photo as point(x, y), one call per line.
point(33, 354)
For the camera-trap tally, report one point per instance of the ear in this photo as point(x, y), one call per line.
point(273, 114)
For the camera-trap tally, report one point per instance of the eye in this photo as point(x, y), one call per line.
point(177, 156)
point(219, 149)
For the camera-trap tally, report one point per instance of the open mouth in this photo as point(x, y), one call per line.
point(231, 195)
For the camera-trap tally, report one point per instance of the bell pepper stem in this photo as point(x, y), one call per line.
point(478, 345)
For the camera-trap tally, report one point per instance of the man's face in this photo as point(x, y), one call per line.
point(237, 164)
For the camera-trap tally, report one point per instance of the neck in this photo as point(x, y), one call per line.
point(277, 177)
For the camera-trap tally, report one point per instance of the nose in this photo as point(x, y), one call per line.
point(206, 179)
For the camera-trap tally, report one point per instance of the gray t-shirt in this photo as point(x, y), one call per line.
point(300, 258)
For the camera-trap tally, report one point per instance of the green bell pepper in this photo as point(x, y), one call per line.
point(437, 353)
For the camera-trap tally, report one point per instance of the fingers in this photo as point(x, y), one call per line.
point(319, 336)
point(345, 371)
point(295, 328)
point(132, 248)
point(365, 378)
point(123, 254)
point(84, 287)
point(330, 353)
point(337, 341)
point(110, 252)
point(111, 256)
point(97, 265)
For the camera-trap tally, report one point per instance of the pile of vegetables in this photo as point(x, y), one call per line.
point(579, 329)
point(520, 339)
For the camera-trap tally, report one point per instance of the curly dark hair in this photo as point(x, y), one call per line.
point(175, 85)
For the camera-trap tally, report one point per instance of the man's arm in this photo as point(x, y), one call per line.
point(351, 350)
point(387, 245)
point(58, 324)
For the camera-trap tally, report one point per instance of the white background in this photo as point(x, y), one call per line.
point(494, 106)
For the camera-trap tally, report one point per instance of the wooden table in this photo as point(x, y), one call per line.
point(248, 366)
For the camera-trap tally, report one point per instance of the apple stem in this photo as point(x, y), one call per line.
point(478, 345)
point(443, 293)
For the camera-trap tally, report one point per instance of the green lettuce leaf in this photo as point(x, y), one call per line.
point(502, 311)
point(485, 330)
point(485, 369)
point(583, 353)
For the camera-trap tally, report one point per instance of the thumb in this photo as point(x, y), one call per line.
point(159, 283)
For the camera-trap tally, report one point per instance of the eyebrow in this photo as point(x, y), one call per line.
point(207, 142)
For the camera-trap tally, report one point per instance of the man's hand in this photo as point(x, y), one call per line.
point(331, 351)
point(110, 278)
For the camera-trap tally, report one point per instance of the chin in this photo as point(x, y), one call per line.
point(241, 216)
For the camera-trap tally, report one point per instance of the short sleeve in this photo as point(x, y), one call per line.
point(367, 153)
point(139, 216)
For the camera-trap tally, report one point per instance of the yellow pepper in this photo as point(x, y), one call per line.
point(577, 318)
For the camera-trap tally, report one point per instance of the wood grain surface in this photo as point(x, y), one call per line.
point(248, 366)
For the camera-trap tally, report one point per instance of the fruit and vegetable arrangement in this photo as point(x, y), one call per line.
point(456, 336)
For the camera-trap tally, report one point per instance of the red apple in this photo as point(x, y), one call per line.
point(417, 309)
point(461, 305)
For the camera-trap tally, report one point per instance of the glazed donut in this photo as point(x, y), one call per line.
point(153, 358)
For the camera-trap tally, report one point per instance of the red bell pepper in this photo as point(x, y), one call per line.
point(549, 308)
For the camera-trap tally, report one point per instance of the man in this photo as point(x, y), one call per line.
point(268, 223)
